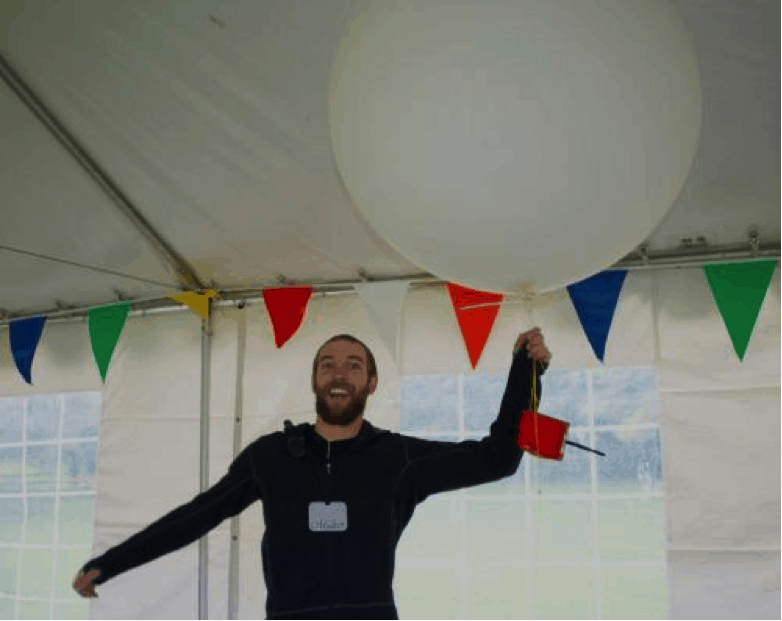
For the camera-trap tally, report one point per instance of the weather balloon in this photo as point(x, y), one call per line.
point(515, 146)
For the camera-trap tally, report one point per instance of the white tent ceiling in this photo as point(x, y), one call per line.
point(211, 118)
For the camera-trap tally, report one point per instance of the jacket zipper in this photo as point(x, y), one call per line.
point(329, 558)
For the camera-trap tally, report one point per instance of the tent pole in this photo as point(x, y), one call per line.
point(203, 543)
point(233, 558)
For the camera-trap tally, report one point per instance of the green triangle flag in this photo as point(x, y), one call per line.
point(105, 324)
point(739, 290)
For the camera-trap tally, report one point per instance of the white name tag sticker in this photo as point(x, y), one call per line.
point(332, 517)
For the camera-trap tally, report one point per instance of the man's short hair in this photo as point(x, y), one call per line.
point(371, 368)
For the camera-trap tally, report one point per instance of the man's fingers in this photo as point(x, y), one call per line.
point(83, 583)
point(533, 340)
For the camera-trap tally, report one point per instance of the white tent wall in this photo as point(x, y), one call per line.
point(149, 458)
point(719, 418)
point(721, 429)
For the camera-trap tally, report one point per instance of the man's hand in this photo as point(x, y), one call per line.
point(83, 583)
point(533, 341)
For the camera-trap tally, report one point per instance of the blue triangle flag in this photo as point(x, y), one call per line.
point(24, 336)
point(595, 300)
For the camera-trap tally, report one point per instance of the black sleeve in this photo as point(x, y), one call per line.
point(436, 467)
point(238, 489)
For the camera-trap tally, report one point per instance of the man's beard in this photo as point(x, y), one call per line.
point(341, 415)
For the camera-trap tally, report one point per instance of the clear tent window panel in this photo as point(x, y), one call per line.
point(48, 475)
point(596, 523)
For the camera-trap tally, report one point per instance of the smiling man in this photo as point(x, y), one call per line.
point(336, 495)
point(343, 376)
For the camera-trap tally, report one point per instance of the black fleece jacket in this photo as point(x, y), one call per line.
point(379, 475)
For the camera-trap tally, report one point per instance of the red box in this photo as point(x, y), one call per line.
point(542, 435)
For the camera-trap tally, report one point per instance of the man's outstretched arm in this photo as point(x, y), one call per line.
point(435, 467)
point(232, 494)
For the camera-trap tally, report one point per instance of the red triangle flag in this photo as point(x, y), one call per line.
point(285, 307)
point(475, 323)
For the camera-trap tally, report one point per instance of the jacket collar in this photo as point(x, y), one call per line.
point(303, 438)
point(365, 433)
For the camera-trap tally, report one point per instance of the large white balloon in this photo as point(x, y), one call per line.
point(519, 145)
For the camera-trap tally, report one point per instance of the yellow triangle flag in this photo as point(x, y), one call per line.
point(197, 301)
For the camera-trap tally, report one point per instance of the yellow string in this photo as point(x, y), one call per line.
point(535, 401)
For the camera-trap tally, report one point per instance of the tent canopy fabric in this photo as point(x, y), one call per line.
point(212, 119)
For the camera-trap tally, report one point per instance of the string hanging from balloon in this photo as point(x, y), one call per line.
point(544, 437)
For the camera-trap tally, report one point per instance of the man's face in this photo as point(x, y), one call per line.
point(342, 365)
